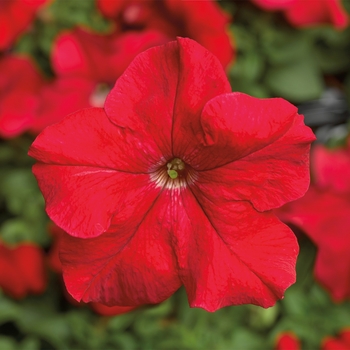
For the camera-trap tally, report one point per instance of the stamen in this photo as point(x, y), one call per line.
point(174, 174)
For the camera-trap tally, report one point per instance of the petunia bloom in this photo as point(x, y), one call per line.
point(139, 26)
point(301, 13)
point(15, 17)
point(202, 21)
point(287, 341)
point(172, 183)
point(324, 215)
point(342, 342)
point(20, 85)
point(22, 270)
point(29, 102)
point(79, 53)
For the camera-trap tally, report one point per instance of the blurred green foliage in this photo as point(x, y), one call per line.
point(275, 59)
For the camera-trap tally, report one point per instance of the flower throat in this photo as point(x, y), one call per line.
point(176, 168)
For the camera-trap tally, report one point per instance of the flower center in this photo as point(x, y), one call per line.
point(176, 168)
point(174, 174)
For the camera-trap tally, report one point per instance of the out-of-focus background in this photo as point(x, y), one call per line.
point(57, 56)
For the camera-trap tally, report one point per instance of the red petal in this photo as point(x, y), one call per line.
point(85, 201)
point(89, 175)
point(110, 310)
point(268, 177)
point(232, 131)
point(88, 138)
point(200, 78)
point(163, 91)
point(229, 254)
point(128, 267)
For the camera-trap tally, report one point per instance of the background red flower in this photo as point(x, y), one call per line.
point(301, 13)
point(139, 25)
point(15, 17)
point(287, 341)
point(22, 270)
point(324, 215)
point(20, 85)
point(341, 342)
point(79, 53)
point(203, 21)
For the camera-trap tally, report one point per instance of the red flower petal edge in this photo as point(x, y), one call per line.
point(137, 186)
point(54, 263)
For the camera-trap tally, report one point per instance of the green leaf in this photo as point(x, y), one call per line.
point(243, 338)
point(121, 322)
point(260, 318)
point(30, 343)
point(123, 341)
point(249, 66)
point(7, 343)
point(9, 310)
point(297, 81)
point(282, 47)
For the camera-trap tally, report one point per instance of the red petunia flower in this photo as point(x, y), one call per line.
point(79, 53)
point(202, 21)
point(22, 270)
point(172, 183)
point(139, 26)
point(20, 85)
point(342, 342)
point(324, 215)
point(15, 17)
point(29, 103)
point(288, 341)
point(301, 13)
